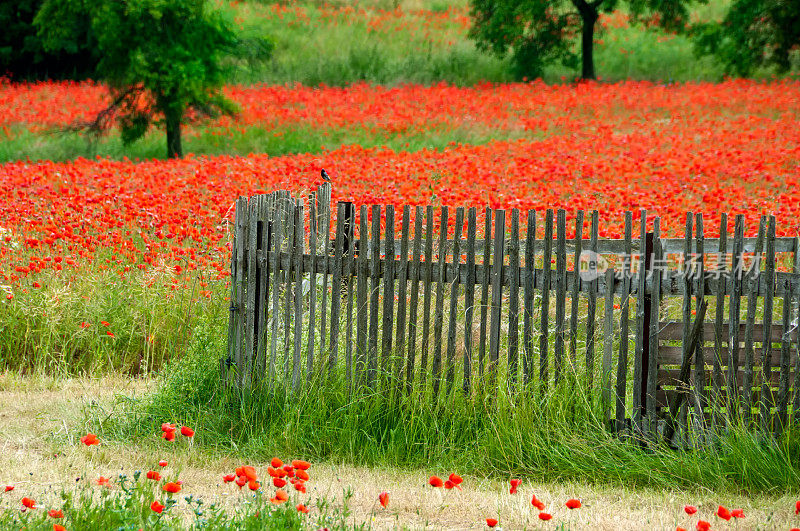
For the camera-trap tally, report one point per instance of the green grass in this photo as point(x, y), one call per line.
point(553, 435)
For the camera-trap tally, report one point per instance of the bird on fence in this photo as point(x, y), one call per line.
point(325, 176)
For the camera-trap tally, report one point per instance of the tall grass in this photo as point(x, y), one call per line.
point(557, 434)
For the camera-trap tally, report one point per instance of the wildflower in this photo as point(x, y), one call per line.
point(280, 497)
point(301, 508)
point(241, 481)
point(723, 513)
point(383, 497)
point(448, 484)
point(491, 522)
point(702, 525)
point(168, 436)
point(303, 475)
point(545, 516)
point(228, 478)
point(301, 465)
point(152, 474)
point(9, 488)
point(456, 479)
point(167, 427)
point(59, 527)
point(278, 482)
point(253, 485)
point(103, 482)
point(690, 509)
point(84, 324)
point(172, 487)
point(249, 472)
point(186, 431)
point(276, 463)
point(162, 463)
point(300, 487)
point(55, 513)
point(679, 528)
point(157, 507)
point(573, 504)
point(797, 507)
point(737, 513)
point(436, 482)
point(109, 333)
point(514, 484)
point(29, 503)
point(105, 323)
point(289, 470)
point(90, 439)
point(536, 502)
point(273, 473)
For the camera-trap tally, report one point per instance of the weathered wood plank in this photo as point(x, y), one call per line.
point(454, 295)
point(652, 359)
point(289, 295)
point(734, 312)
point(487, 249)
point(312, 291)
point(622, 358)
point(388, 292)
point(362, 301)
point(638, 353)
point(439, 308)
point(608, 346)
point(513, 303)
point(769, 275)
point(278, 224)
point(469, 300)
point(336, 296)
point(497, 294)
point(561, 293)
point(427, 284)
point(238, 286)
point(545, 305)
point(529, 299)
point(353, 258)
point(752, 307)
point(573, 314)
point(719, 313)
point(686, 308)
point(591, 308)
point(374, 296)
point(699, 300)
point(402, 293)
point(415, 278)
point(783, 388)
point(324, 236)
point(299, 240)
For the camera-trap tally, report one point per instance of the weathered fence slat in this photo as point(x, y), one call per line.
point(545, 305)
point(298, 294)
point(591, 307)
point(734, 312)
point(469, 300)
point(288, 305)
point(415, 278)
point(752, 307)
point(454, 292)
point(438, 322)
point(655, 303)
point(362, 301)
point(574, 295)
point(427, 285)
point(608, 345)
point(513, 302)
point(686, 308)
point(487, 256)
point(324, 236)
point(497, 293)
point(374, 296)
point(336, 296)
point(783, 389)
point(352, 262)
point(402, 293)
point(638, 353)
point(624, 339)
point(312, 291)
point(388, 293)
point(278, 229)
point(529, 298)
point(698, 270)
point(561, 293)
point(720, 270)
point(238, 287)
point(769, 274)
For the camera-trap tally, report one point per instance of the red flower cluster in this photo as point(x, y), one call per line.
point(168, 432)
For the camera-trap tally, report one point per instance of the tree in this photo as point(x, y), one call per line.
point(754, 33)
point(540, 32)
point(163, 60)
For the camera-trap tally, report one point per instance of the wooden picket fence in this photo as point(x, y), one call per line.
point(465, 305)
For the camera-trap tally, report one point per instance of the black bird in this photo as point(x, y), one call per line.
point(325, 176)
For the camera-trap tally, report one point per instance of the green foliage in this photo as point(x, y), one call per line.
point(753, 34)
point(22, 54)
point(161, 59)
point(537, 33)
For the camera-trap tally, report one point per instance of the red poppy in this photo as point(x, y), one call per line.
point(162, 463)
point(737, 513)
point(278, 482)
point(157, 507)
point(276, 463)
point(105, 323)
point(84, 324)
point(289, 469)
point(491, 522)
point(90, 439)
point(59, 527)
point(104, 482)
point(797, 507)
point(383, 497)
point(253, 485)
point(723, 513)
point(227, 478)
point(702, 525)
point(55, 513)
point(690, 509)
point(302, 474)
point(241, 481)
point(573, 504)
point(172, 487)
point(301, 508)
point(514, 484)
point(300, 487)
point(280, 497)
point(9, 488)
point(249, 472)
point(545, 516)
point(168, 436)
point(165, 427)
point(186, 431)
point(456, 479)
point(436, 482)
point(536, 502)
point(152, 474)
point(679, 528)
point(272, 472)
point(29, 503)
point(299, 464)
point(448, 484)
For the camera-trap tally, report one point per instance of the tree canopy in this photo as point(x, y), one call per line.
point(754, 33)
point(540, 32)
point(163, 60)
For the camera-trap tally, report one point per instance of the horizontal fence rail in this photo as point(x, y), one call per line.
point(429, 301)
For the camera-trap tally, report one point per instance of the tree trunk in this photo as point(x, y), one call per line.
point(174, 148)
point(589, 16)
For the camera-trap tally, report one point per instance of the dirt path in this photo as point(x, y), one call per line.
point(40, 420)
